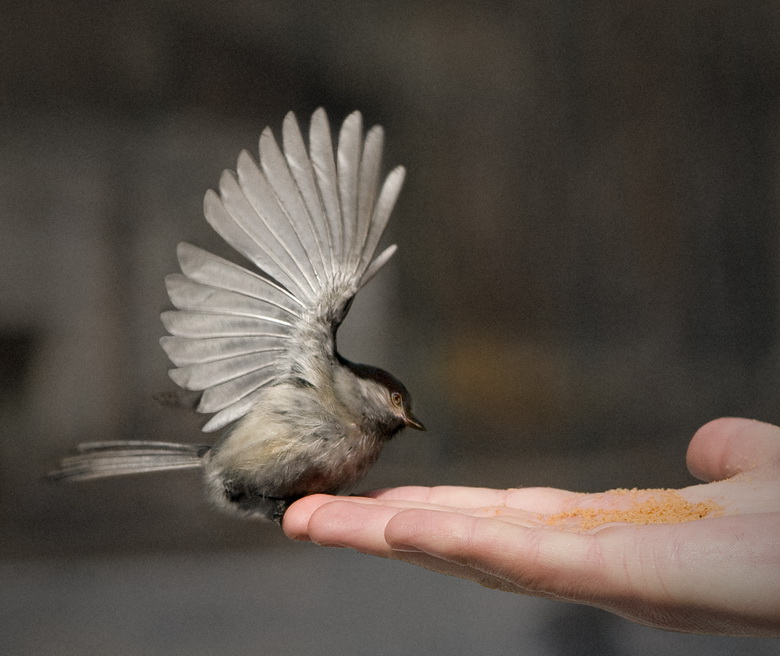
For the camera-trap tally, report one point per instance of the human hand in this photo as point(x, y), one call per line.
point(718, 575)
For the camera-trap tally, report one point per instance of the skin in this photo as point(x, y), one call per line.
point(717, 575)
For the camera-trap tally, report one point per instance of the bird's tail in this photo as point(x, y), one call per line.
point(101, 459)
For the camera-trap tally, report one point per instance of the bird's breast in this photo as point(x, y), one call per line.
point(292, 440)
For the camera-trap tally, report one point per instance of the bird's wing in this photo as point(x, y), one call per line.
point(310, 222)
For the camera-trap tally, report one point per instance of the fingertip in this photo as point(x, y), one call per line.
point(295, 522)
point(333, 520)
point(344, 522)
point(401, 528)
point(730, 445)
point(706, 449)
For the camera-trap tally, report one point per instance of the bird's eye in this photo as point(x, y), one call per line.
point(396, 398)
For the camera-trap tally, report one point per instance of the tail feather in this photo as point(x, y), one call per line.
point(101, 459)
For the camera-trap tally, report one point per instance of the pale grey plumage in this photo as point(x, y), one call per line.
point(260, 346)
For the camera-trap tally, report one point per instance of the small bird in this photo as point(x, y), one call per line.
point(260, 346)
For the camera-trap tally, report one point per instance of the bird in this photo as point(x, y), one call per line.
point(259, 346)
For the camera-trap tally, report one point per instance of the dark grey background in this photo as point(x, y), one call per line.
point(587, 273)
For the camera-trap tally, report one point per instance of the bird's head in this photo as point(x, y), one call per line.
point(379, 397)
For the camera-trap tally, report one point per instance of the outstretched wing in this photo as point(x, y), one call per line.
point(310, 222)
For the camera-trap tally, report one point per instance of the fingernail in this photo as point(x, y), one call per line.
point(301, 537)
point(331, 545)
point(405, 548)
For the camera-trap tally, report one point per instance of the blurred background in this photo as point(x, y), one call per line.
point(587, 272)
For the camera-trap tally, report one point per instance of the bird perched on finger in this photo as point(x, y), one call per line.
point(260, 346)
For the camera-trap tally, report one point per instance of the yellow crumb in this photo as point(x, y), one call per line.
point(642, 507)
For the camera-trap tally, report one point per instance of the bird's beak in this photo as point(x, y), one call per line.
point(412, 422)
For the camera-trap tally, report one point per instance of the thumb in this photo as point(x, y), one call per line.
point(728, 446)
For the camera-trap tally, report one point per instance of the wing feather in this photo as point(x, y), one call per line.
point(321, 151)
point(381, 215)
point(377, 263)
point(349, 152)
point(370, 166)
point(201, 325)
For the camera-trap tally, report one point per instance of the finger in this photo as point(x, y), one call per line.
point(344, 523)
point(542, 500)
point(728, 446)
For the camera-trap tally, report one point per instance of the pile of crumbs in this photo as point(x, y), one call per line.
point(645, 507)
